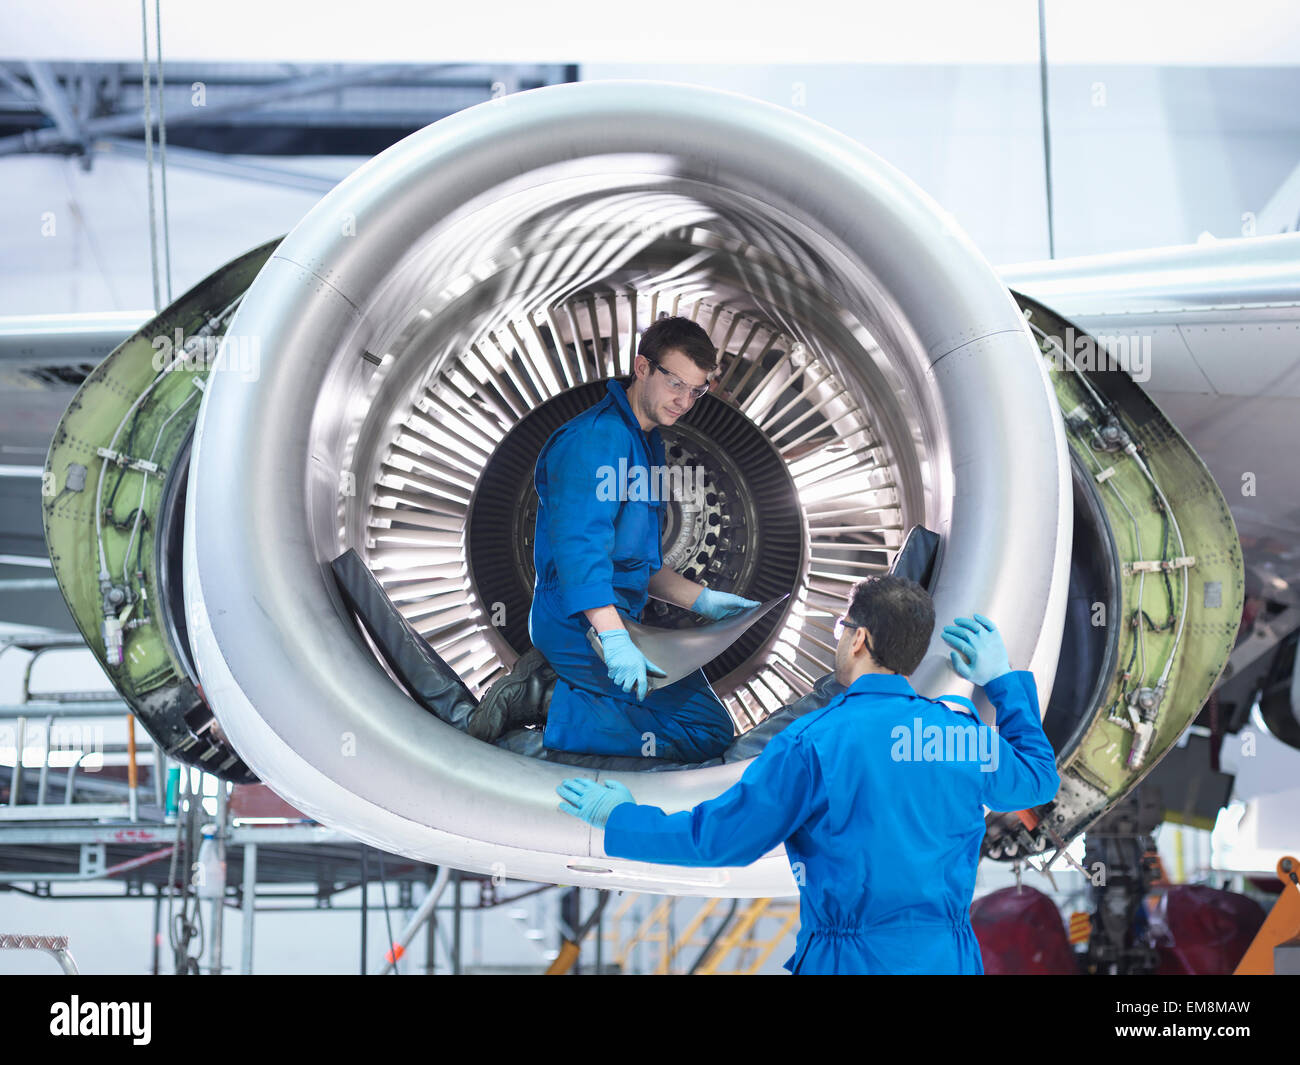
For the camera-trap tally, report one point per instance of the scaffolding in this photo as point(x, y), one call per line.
point(735, 940)
point(81, 810)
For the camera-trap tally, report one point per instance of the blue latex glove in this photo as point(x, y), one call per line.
point(718, 605)
point(627, 666)
point(591, 801)
point(980, 642)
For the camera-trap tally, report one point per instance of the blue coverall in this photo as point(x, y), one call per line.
point(884, 850)
point(592, 551)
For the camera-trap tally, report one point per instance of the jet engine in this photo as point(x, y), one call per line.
point(383, 378)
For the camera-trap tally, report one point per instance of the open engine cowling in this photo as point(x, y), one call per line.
point(433, 318)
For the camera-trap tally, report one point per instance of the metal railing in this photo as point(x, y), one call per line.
point(55, 946)
point(46, 707)
point(743, 938)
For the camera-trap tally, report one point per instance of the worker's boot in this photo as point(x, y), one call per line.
point(519, 698)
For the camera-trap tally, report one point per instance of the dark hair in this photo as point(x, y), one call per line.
point(899, 615)
point(679, 334)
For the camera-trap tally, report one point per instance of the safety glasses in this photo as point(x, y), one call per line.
point(675, 384)
point(843, 622)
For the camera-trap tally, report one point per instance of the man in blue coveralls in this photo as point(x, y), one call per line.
point(878, 796)
point(597, 556)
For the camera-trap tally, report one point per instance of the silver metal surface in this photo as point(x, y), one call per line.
point(491, 217)
point(81, 811)
point(679, 652)
point(55, 946)
point(417, 921)
point(1253, 272)
point(49, 340)
point(249, 907)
